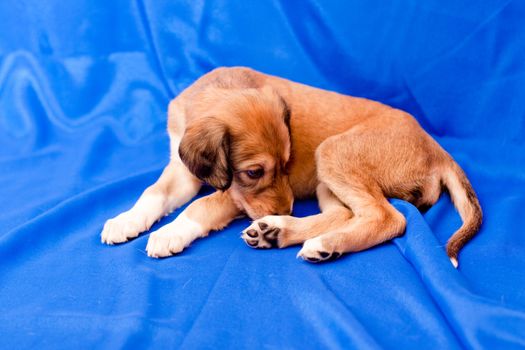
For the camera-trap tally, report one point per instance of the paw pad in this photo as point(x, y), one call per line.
point(260, 234)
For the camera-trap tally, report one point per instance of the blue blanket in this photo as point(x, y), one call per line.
point(84, 87)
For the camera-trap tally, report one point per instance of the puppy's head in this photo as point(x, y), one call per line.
point(239, 140)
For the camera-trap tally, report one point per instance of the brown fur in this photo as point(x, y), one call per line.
point(233, 123)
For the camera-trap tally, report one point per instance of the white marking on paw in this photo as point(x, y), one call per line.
point(131, 223)
point(174, 237)
point(311, 248)
point(122, 228)
point(315, 251)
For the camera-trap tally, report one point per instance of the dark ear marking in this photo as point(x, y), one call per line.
point(287, 113)
point(205, 150)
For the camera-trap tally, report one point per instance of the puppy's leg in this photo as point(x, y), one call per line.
point(209, 213)
point(175, 187)
point(375, 221)
point(283, 231)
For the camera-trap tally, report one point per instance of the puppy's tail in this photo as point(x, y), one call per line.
point(466, 203)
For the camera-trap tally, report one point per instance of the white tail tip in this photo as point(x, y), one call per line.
point(454, 262)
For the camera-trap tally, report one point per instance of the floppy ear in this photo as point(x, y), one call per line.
point(205, 150)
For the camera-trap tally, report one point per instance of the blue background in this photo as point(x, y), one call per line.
point(84, 87)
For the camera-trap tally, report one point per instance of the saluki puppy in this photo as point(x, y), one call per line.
point(262, 141)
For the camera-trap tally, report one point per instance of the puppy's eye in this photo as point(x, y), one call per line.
point(255, 174)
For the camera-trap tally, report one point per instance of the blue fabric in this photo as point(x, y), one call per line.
point(84, 87)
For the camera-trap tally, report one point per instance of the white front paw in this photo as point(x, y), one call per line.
point(122, 228)
point(164, 242)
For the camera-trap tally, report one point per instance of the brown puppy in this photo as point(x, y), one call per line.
point(263, 141)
